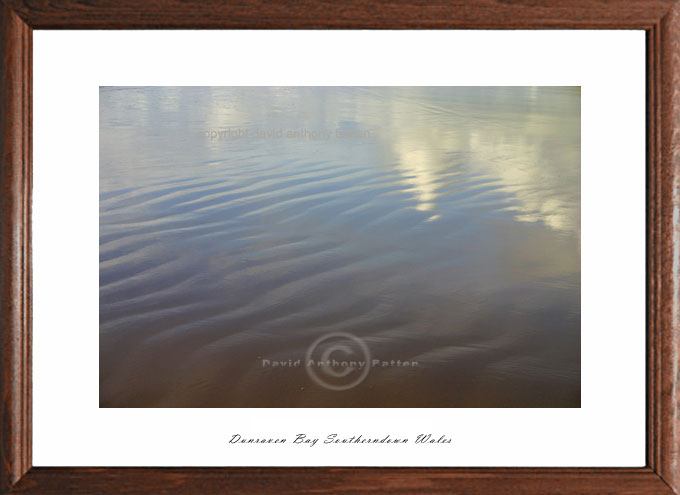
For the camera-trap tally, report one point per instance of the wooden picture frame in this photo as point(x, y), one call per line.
point(661, 21)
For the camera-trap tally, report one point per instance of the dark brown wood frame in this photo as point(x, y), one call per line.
point(661, 21)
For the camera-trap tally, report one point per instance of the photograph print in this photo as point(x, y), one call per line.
point(360, 247)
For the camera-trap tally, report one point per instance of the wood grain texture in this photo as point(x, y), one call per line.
point(654, 252)
point(346, 481)
point(15, 285)
point(661, 20)
point(669, 366)
point(343, 14)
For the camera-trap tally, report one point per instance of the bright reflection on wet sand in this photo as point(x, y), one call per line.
point(438, 225)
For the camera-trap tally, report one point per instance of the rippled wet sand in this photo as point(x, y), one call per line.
point(437, 225)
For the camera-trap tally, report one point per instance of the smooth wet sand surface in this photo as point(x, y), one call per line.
point(440, 226)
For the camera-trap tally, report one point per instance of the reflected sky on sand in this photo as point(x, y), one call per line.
point(438, 225)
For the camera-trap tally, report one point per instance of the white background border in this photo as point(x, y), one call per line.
point(69, 66)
